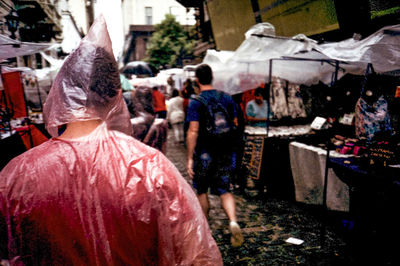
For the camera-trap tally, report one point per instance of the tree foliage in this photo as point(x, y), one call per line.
point(169, 44)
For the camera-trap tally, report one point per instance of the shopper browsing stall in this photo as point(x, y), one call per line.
point(257, 109)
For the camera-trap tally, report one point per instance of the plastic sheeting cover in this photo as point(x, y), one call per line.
point(381, 49)
point(264, 28)
point(248, 67)
point(101, 199)
point(10, 48)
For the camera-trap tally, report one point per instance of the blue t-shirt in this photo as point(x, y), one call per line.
point(257, 111)
point(195, 111)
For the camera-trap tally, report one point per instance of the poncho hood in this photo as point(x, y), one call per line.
point(88, 86)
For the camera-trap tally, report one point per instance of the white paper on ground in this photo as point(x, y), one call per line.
point(295, 241)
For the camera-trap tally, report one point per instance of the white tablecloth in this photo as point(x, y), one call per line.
point(279, 131)
point(308, 171)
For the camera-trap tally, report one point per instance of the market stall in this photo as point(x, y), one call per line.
point(332, 75)
point(20, 123)
point(21, 101)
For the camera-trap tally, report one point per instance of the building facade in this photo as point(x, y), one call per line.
point(35, 21)
point(323, 20)
point(81, 11)
point(139, 18)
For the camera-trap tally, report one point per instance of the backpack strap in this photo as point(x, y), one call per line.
point(199, 99)
point(203, 101)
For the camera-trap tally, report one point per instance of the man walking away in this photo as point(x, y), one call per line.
point(212, 118)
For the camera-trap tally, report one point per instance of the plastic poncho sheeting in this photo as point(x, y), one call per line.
point(101, 199)
point(87, 73)
point(146, 128)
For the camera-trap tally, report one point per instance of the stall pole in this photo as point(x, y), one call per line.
point(334, 80)
point(38, 91)
point(324, 195)
point(28, 120)
point(327, 164)
point(369, 69)
point(269, 95)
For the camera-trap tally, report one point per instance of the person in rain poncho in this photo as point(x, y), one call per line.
point(94, 195)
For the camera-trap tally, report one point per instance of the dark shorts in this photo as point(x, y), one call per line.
point(212, 171)
point(161, 114)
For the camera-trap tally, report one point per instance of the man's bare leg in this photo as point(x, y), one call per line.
point(229, 206)
point(204, 203)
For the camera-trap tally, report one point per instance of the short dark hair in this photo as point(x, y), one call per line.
point(259, 91)
point(204, 74)
point(175, 93)
point(104, 78)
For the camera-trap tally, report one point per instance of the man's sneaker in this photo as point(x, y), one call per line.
point(236, 237)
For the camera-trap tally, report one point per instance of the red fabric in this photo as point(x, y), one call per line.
point(159, 101)
point(14, 94)
point(185, 104)
point(37, 137)
point(246, 97)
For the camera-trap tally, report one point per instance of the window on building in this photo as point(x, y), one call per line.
point(146, 43)
point(149, 15)
point(174, 10)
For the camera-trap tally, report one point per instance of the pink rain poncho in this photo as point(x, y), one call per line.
point(100, 199)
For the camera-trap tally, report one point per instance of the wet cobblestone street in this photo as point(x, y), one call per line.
point(266, 224)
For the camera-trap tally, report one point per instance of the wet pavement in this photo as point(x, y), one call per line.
point(267, 223)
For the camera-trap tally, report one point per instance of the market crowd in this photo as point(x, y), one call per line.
point(101, 191)
point(95, 190)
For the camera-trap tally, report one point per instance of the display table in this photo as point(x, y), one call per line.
point(308, 170)
point(372, 189)
point(266, 158)
point(374, 205)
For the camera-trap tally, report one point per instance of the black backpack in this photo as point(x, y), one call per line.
point(218, 123)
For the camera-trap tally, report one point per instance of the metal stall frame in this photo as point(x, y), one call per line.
point(333, 81)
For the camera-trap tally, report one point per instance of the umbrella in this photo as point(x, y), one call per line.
point(137, 68)
point(125, 85)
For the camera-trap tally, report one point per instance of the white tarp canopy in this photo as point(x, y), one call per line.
point(10, 48)
point(306, 62)
point(381, 49)
point(217, 59)
point(248, 66)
